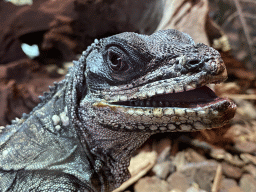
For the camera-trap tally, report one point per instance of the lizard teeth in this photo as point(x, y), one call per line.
point(137, 103)
point(121, 97)
point(150, 103)
point(195, 98)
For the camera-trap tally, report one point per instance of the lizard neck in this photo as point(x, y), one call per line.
point(53, 115)
point(112, 148)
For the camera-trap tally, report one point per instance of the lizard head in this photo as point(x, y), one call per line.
point(155, 83)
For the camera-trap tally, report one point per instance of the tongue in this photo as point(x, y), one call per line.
point(197, 95)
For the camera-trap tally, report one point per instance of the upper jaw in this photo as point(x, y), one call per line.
point(167, 86)
point(165, 80)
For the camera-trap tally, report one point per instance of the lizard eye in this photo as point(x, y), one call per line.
point(116, 61)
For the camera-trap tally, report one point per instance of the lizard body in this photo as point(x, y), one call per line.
point(123, 89)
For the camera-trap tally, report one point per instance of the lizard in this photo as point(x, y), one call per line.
point(123, 89)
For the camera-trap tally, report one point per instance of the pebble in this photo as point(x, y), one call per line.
point(245, 147)
point(231, 171)
point(178, 181)
point(229, 185)
point(194, 189)
point(152, 184)
point(163, 170)
point(193, 156)
point(247, 183)
point(201, 173)
point(251, 169)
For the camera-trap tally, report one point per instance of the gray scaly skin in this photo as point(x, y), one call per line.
point(123, 89)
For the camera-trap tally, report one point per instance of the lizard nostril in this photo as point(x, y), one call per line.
point(193, 62)
point(206, 60)
point(193, 65)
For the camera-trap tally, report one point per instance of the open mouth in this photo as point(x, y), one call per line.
point(198, 97)
point(195, 109)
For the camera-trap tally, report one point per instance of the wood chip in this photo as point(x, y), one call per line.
point(139, 166)
point(249, 157)
point(217, 179)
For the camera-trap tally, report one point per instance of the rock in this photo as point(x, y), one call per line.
point(248, 158)
point(236, 131)
point(247, 183)
point(227, 88)
point(231, 171)
point(201, 173)
point(178, 181)
point(246, 108)
point(229, 185)
point(163, 148)
point(194, 189)
point(175, 190)
point(163, 170)
point(179, 160)
point(18, 70)
point(251, 169)
point(152, 184)
point(193, 156)
point(218, 153)
point(165, 154)
point(245, 147)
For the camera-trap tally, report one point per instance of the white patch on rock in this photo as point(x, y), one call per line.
point(31, 51)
